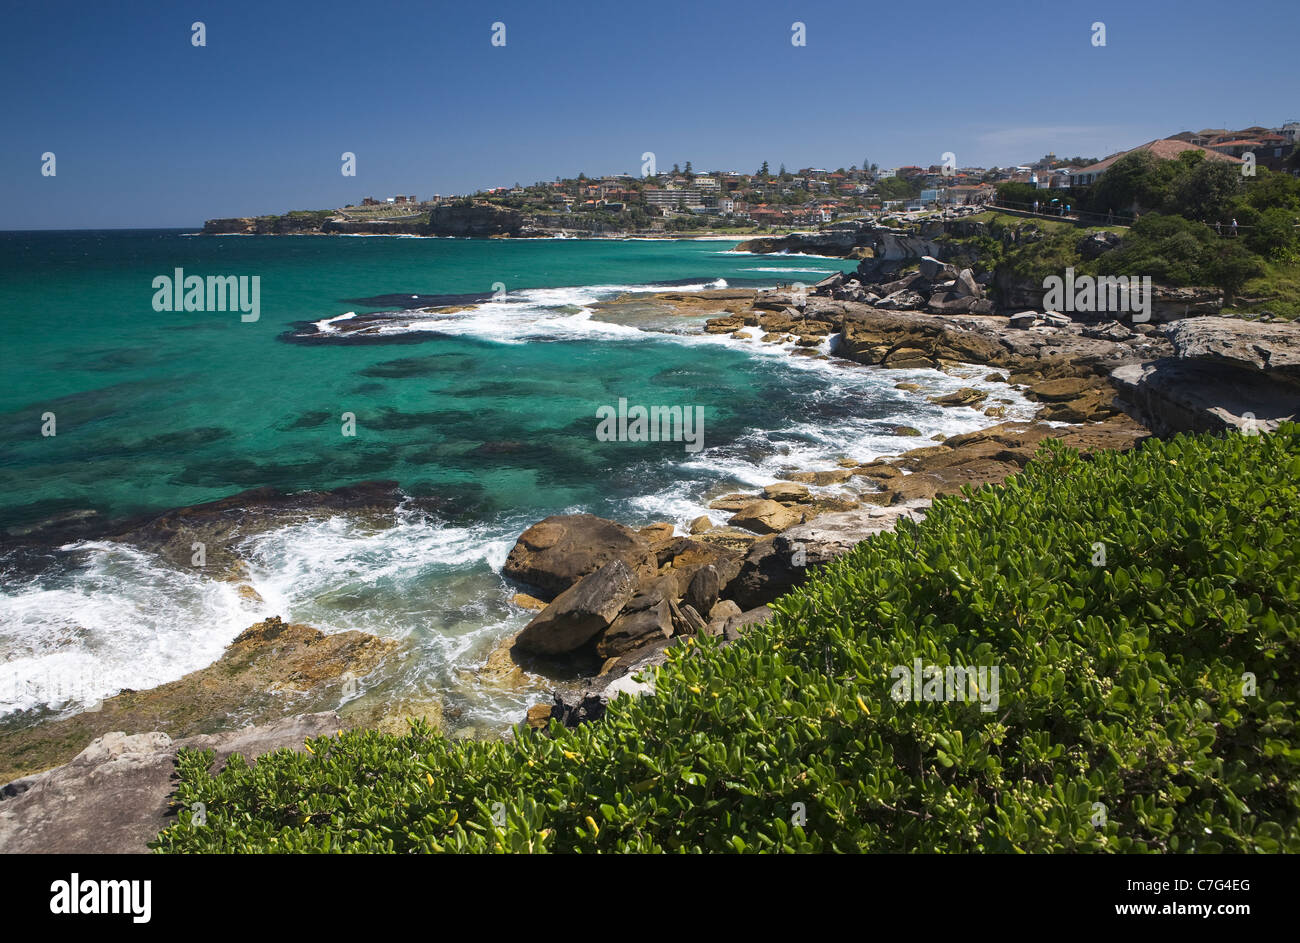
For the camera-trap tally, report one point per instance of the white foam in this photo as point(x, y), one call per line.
point(110, 617)
point(327, 325)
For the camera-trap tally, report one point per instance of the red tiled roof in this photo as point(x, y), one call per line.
point(1165, 149)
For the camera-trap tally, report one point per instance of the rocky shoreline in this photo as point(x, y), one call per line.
point(611, 600)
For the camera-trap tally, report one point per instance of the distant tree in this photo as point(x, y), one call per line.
point(763, 171)
point(581, 175)
point(689, 172)
point(676, 169)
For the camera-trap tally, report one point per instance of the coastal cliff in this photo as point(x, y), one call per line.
point(453, 219)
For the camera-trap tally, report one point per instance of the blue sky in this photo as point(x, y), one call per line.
point(151, 131)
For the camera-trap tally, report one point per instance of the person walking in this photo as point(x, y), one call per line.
point(1035, 207)
point(1234, 226)
point(1218, 228)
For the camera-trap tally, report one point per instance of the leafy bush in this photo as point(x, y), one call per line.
point(1274, 234)
point(1126, 721)
point(1178, 251)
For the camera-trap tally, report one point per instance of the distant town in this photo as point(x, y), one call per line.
point(685, 200)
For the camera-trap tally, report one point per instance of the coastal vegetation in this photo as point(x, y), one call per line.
point(1184, 234)
point(1142, 610)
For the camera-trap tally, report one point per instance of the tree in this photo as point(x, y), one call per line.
point(1138, 181)
point(1274, 234)
point(1231, 267)
point(763, 171)
point(1206, 190)
point(676, 169)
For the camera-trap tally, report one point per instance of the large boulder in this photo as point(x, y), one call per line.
point(581, 612)
point(765, 517)
point(966, 284)
point(646, 617)
point(555, 553)
point(1273, 348)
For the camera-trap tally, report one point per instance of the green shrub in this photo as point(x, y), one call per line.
point(1126, 721)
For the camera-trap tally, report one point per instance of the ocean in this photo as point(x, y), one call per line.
point(491, 410)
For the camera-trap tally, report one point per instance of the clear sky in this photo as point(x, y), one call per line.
point(149, 130)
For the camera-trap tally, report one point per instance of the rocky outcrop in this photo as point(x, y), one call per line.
point(1272, 348)
point(581, 612)
point(235, 225)
point(476, 219)
point(271, 669)
point(1227, 374)
point(765, 516)
point(1175, 396)
point(113, 797)
point(556, 552)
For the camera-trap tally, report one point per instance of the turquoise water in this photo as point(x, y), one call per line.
point(492, 410)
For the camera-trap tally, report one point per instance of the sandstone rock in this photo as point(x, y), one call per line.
point(966, 284)
point(1057, 391)
point(1192, 395)
point(905, 300)
point(706, 585)
point(1271, 348)
point(764, 517)
point(731, 502)
point(907, 358)
point(906, 431)
point(934, 270)
point(908, 387)
point(1025, 319)
point(701, 524)
point(524, 601)
point(686, 556)
point(644, 618)
point(723, 610)
point(581, 612)
point(114, 796)
point(270, 669)
point(557, 552)
point(912, 488)
point(736, 626)
point(723, 325)
point(686, 620)
point(966, 396)
point(879, 471)
point(1109, 331)
point(539, 716)
point(952, 302)
point(787, 492)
